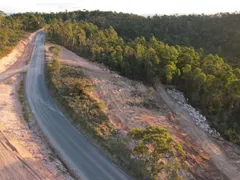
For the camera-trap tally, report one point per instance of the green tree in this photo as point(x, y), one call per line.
point(157, 148)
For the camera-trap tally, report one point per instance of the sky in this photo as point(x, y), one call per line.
point(142, 7)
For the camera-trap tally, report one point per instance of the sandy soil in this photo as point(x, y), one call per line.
point(24, 154)
point(17, 53)
point(7, 74)
point(126, 103)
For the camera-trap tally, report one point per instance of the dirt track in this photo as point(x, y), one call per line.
point(125, 103)
point(13, 166)
point(224, 155)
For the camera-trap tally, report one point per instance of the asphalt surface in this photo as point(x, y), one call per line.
point(79, 154)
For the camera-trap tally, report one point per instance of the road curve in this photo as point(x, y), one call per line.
point(86, 160)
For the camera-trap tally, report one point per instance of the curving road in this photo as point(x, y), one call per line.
point(86, 160)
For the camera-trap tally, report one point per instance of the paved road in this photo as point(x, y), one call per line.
point(88, 162)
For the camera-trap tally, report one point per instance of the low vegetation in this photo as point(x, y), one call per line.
point(55, 50)
point(73, 91)
point(22, 101)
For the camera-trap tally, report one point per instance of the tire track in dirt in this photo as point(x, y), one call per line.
point(12, 165)
point(208, 144)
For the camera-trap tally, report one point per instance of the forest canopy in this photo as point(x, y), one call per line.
point(199, 54)
point(211, 84)
point(10, 33)
point(219, 33)
point(13, 28)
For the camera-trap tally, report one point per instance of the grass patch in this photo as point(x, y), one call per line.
point(55, 50)
point(51, 157)
point(21, 99)
point(63, 171)
point(149, 104)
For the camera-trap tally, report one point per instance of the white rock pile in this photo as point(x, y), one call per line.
point(199, 119)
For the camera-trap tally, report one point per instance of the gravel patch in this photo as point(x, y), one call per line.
point(200, 120)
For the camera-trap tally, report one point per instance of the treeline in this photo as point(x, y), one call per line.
point(13, 28)
point(210, 83)
point(30, 21)
point(10, 33)
point(217, 33)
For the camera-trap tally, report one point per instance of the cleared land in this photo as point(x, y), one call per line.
point(130, 104)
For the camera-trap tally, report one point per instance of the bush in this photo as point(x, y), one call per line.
point(55, 50)
point(21, 99)
point(71, 88)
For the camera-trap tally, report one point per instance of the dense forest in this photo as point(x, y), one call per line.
point(10, 33)
point(178, 50)
point(13, 28)
point(219, 33)
point(211, 84)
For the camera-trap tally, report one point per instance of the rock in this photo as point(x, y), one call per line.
point(220, 138)
point(200, 120)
